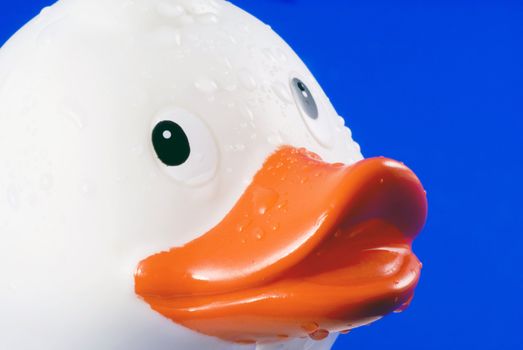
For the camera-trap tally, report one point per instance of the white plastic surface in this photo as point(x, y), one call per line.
point(83, 197)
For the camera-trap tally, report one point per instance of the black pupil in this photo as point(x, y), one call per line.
point(171, 143)
point(302, 86)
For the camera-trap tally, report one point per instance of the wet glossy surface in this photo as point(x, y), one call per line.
point(309, 248)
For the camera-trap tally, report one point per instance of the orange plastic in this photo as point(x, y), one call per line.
point(308, 249)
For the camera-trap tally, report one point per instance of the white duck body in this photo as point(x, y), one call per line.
point(83, 197)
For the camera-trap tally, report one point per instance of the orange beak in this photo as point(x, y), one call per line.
point(308, 249)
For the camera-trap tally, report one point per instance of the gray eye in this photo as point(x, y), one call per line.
point(304, 98)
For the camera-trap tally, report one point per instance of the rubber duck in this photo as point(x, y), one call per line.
point(173, 177)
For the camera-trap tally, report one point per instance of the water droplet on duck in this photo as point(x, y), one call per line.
point(208, 18)
point(199, 157)
point(280, 55)
point(137, 150)
point(232, 39)
point(320, 334)
point(216, 4)
point(13, 197)
point(235, 148)
point(348, 133)
point(247, 79)
point(86, 188)
point(274, 139)
point(46, 182)
point(310, 327)
point(50, 27)
point(283, 92)
point(268, 54)
point(282, 204)
point(169, 9)
point(186, 19)
point(75, 118)
point(201, 7)
point(44, 11)
point(264, 199)
point(227, 81)
point(247, 113)
point(206, 86)
point(167, 37)
point(258, 233)
point(243, 224)
point(404, 306)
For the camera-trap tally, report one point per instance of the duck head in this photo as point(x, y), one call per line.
point(175, 176)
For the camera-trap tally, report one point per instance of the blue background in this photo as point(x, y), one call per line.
point(437, 84)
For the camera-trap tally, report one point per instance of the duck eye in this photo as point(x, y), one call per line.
point(190, 163)
point(304, 98)
point(310, 110)
point(171, 143)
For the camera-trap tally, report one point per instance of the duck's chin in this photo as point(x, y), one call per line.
point(310, 248)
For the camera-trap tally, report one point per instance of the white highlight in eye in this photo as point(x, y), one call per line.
point(167, 134)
